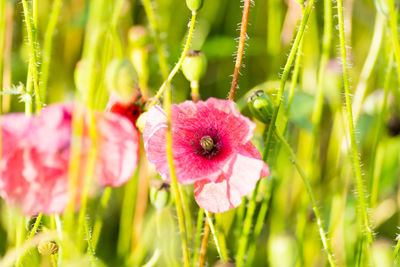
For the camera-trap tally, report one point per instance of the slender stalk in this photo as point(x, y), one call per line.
point(98, 223)
point(194, 88)
point(90, 244)
point(186, 211)
point(35, 226)
point(374, 148)
point(127, 211)
point(175, 186)
point(162, 59)
point(285, 75)
point(200, 218)
point(33, 64)
point(363, 206)
point(222, 255)
point(204, 243)
point(248, 222)
point(369, 64)
point(393, 14)
point(3, 19)
point(179, 63)
point(295, 75)
point(260, 222)
point(47, 48)
point(326, 244)
point(240, 52)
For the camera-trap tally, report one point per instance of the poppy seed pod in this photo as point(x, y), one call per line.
point(260, 106)
point(48, 248)
point(194, 5)
point(121, 78)
point(194, 65)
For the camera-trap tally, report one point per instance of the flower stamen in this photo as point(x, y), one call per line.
point(207, 143)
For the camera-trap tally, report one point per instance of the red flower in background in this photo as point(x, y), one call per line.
point(35, 156)
point(211, 148)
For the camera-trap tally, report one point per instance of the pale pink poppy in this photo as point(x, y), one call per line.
point(35, 156)
point(211, 148)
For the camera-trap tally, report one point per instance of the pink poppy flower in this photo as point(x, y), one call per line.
point(211, 148)
point(35, 156)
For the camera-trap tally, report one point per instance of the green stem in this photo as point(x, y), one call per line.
point(199, 226)
point(99, 215)
point(33, 64)
point(325, 242)
point(90, 244)
point(179, 63)
point(223, 256)
point(188, 216)
point(35, 226)
point(393, 13)
point(127, 211)
point(296, 71)
point(175, 186)
point(2, 45)
point(259, 222)
point(374, 149)
point(162, 59)
point(47, 48)
point(285, 75)
point(248, 222)
point(369, 64)
point(362, 203)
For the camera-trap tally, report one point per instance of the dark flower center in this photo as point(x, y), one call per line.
point(206, 142)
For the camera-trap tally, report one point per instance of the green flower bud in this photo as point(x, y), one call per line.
point(48, 248)
point(194, 5)
point(160, 194)
point(121, 78)
point(260, 106)
point(138, 37)
point(194, 65)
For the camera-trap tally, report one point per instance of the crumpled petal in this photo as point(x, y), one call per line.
point(238, 180)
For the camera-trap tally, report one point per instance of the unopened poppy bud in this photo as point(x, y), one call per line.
point(121, 78)
point(194, 5)
point(141, 122)
point(260, 106)
point(160, 194)
point(138, 37)
point(194, 65)
point(48, 248)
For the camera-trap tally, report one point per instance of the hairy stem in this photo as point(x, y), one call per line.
point(179, 63)
point(363, 206)
point(240, 52)
point(324, 239)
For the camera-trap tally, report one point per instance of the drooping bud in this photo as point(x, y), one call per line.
point(260, 106)
point(48, 248)
point(160, 194)
point(194, 5)
point(194, 65)
point(121, 78)
point(207, 143)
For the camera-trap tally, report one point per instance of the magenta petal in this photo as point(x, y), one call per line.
point(14, 129)
point(118, 149)
point(226, 193)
